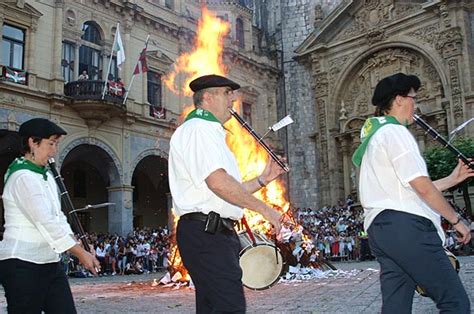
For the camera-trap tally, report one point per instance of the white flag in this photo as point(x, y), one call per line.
point(119, 48)
point(282, 123)
point(461, 126)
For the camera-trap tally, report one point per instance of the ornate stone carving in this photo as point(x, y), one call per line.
point(428, 34)
point(376, 13)
point(449, 43)
point(12, 99)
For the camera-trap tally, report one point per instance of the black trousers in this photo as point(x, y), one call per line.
point(213, 264)
point(410, 252)
point(32, 288)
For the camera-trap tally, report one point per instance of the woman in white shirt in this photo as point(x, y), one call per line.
point(36, 230)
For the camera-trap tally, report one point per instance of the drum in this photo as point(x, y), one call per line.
point(261, 264)
point(454, 261)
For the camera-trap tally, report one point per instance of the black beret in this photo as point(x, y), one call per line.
point(208, 81)
point(391, 86)
point(39, 127)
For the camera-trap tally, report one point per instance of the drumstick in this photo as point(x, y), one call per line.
point(249, 232)
point(276, 248)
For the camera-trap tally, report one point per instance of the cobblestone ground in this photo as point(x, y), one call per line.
point(357, 294)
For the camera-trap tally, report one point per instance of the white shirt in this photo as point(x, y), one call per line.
point(36, 230)
point(198, 148)
point(391, 161)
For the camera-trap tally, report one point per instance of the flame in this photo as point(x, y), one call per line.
point(207, 58)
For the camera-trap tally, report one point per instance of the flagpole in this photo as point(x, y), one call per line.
point(133, 76)
point(110, 62)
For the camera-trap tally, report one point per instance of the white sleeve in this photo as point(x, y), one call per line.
point(30, 199)
point(203, 154)
point(402, 150)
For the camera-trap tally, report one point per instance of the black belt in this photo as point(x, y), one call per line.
point(224, 223)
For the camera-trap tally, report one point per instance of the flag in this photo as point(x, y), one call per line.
point(141, 66)
point(15, 76)
point(282, 123)
point(119, 48)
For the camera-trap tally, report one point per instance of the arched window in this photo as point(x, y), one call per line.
point(239, 32)
point(91, 33)
point(90, 59)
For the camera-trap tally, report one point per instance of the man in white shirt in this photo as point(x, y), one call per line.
point(208, 195)
point(402, 205)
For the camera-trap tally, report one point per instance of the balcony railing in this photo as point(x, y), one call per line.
point(91, 90)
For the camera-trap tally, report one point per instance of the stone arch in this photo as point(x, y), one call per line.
point(348, 72)
point(143, 155)
point(116, 175)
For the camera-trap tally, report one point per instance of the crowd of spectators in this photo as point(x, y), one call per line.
point(142, 251)
point(337, 231)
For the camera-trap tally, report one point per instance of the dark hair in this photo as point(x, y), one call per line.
point(25, 147)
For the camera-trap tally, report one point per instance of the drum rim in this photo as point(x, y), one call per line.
point(279, 275)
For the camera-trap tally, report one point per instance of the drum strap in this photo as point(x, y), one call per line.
point(249, 232)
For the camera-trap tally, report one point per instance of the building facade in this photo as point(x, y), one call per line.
point(334, 52)
point(55, 56)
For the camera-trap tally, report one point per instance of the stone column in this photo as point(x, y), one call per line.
point(346, 160)
point(1, 32)
point(57, 86)
point(121, 215)
point(76, 73)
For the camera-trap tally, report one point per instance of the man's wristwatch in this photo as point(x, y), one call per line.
point(457, 221)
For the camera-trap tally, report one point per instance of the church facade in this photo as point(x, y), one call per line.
point(334, 53)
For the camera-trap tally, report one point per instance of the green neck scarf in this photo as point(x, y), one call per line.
point(23, 163)
point(371, 125)
point(202, 114)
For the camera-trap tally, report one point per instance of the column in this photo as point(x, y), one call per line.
point(58, 82)
point(1, 33)
point(121, 215)
point(76, 61)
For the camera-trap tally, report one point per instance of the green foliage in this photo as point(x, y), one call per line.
point(441, 161)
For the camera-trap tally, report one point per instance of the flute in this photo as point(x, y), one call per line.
point(259, 140)
point(443, 142)
point(76, 224)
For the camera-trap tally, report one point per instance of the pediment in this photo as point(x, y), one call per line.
point(159, 57)
point(20, 7)
point(358, 18)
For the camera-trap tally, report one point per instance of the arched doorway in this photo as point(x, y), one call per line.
point(150, 193)
point(86, 171)
point(10, 148)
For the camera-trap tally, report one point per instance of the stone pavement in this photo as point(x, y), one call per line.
point(356, 294)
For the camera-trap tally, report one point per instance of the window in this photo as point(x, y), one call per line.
point(154, 95)
point(13, 46)
point(239, 33)
point(67, 62)
point(247, 112)
point(154, 88)
point(169, 4)
point(90, 59)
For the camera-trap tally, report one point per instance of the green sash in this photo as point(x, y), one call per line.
point(23, 163)
point(371, 126)
point(201, 114)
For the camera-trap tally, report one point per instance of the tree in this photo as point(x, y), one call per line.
point(441, 161)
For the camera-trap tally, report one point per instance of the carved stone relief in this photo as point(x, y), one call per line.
point(373, 15)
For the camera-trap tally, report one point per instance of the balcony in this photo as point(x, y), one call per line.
point(86, 98)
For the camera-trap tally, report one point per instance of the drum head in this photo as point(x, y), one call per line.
point(260, 267)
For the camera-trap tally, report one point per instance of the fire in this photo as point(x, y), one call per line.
point(207, 58)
